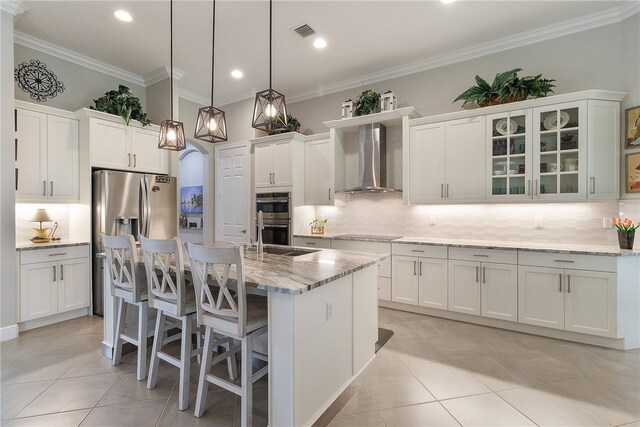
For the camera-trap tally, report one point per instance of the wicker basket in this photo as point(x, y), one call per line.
point(495, 101)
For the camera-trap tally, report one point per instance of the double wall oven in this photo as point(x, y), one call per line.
point(276, 210)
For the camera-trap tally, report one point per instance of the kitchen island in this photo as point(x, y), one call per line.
point(323, 325)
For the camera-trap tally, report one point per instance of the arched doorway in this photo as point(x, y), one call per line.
point(196, 194)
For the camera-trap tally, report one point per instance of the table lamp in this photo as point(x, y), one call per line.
point(42, 235)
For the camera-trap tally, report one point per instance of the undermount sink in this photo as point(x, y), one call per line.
point(284, 250)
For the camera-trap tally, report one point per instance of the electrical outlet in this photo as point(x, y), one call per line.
point(605, 222)
point(539, 222)
point(329, 310)
point(432, 220)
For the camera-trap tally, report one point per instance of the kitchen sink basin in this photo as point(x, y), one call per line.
point(284, 250)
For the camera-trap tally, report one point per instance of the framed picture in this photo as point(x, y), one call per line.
point(632, 127)
point(191, 199)
point(632, 173)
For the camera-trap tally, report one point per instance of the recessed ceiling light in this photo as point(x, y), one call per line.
point(447, 1)
point(237, 74)
point(123, 15)
point(320, 43)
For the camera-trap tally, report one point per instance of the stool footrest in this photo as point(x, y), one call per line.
point(170, 359)
point(224, 384)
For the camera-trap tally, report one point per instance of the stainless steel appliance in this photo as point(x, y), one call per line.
point(276, 209)
point(130, 203)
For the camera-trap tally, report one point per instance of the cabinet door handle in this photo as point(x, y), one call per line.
point(420, 268)
point(274, 178)
point(54, 273)
point(447, 192)
point(51, 189)
point(134, 161)
point(15, 153)
point(528, 187)
point(62, 272)
point(484, 274)
point(593, 185)
point(329, 194)
point(560, 282)
point(17, 175)
point(129, 164)
point(414, 267)
point(535, 184)
point(568, 283)
point(442, 191)
point(44, 188)
point(477, 274)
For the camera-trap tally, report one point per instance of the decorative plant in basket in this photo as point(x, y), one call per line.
point(368, 102)
point(626, 231)
point(317, 225)
point(122, 103)
point(293, 125)
point(506, 87)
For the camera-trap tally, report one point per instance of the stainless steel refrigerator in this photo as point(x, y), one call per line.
point(130, 203)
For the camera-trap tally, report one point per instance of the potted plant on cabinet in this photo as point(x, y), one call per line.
point(122, 103)
point(368, 102)
point(293, 125)
point(506, 87)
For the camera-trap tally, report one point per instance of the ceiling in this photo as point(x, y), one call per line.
point(363, 37)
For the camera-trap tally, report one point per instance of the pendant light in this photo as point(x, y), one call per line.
point(211, 125)
point(270, 109)
point(171, 132)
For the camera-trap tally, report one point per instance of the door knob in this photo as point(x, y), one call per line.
point(244, 231)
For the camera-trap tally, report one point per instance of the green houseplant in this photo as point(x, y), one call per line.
point(122, 103)
point(368, 102)
point(293, 125)
point(506, 87)
point(317, 225)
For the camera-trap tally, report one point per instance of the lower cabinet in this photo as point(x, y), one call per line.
point(405, 279)
point(419, 281)
point(52, 287)
point(572, 300)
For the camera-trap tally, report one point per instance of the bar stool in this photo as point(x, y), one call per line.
point(233, 314)
point(129, 287)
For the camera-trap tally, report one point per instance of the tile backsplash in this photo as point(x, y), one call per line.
point(67, 215)
point(384, 213)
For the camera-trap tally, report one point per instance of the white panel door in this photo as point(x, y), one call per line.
point(499, 291)
point(603, 143)
point(432, 283)
point(464, 287)
point(591, 302)
point(109, 145)
point(263, 166)
point(281, 161)
point(73, 284)
point(146, 157)
point(233, 195)
point(426, 163)
point(31, 156)
point(38, 290)
point(465, 162)
point(62, 148)
point(404, 286)
point(319, 172)
point(384, 288)
point(540, 296)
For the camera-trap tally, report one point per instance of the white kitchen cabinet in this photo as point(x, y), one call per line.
point(591, 302)
point(54, 281)
point(404, 272)
point(465, 160)
point(321, 160)
point(499, 291)
point(384, 288)
point(47, 157)
point(603, 154)
point(114, 145)
point(273, 164)
point(263, 168)
point(427, 174)
point(312, 242)
point(432, 283)
point(540, 296)
point(464, 287)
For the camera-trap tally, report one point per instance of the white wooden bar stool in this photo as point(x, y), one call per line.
point(233, 314)
point(129, 287)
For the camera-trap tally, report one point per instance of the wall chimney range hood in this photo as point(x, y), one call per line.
point(372, 160)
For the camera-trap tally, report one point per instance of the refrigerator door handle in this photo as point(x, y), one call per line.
point(143, 206)
point(147, 207)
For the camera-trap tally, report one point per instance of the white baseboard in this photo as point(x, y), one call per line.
point(50, 320)
point(9, 332)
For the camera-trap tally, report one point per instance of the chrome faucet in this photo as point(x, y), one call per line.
point(260, 246)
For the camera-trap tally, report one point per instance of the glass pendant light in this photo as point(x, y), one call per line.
point(211, 125)
point(270, 109)
point(171, 132)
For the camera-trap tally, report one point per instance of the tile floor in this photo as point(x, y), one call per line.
point(432, 372)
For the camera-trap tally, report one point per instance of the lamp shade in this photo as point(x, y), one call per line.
point(211, 125)
point(172, 136)
point(41, 215)
point(270, 111)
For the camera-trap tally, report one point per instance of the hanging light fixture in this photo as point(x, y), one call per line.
point(171, 132)
point(270, 109)
point(211, 125)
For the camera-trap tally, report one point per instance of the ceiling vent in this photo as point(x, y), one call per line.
point(304, 31)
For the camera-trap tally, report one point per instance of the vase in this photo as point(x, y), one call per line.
point(625, 239)
point(317, 230)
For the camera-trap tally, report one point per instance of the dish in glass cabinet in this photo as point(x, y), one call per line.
point(551, 121)
point(501, 127)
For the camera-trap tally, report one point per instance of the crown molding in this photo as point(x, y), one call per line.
point(161, 74)
point(43, 46)
point(560, 29)
point(193, 97)
point(13, 7)
point(220, 102)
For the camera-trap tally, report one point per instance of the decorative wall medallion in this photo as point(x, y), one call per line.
point(35, 78)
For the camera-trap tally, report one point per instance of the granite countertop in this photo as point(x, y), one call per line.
point(350, 237)
point(564, 248)
point(27, 246)
point(297, 274)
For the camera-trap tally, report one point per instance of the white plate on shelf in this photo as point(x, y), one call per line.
point(551, 121)
point(501, 127)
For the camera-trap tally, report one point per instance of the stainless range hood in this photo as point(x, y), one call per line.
point(372, 160)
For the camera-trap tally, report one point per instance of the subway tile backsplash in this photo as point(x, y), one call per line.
point(384, 213)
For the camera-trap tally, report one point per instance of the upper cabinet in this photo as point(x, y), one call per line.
point(564, 147)
point(114, 145)
point(324, 169)
point(278, 160)
point(46, 155)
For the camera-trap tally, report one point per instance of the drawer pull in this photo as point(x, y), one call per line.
point(482, 256)
point(417, 250)
point(564, 260)
point(58, 254)
point(311, 243)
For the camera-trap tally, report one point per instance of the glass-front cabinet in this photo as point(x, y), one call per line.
point(559, 147)
point(509, 150)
